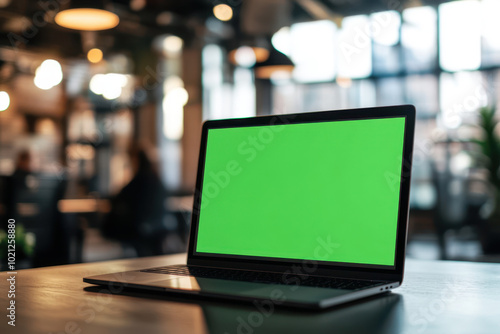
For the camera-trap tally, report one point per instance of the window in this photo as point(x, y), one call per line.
point(355, 48)
point(419, 39)
point(384, 29)
point(313, 51)
point(461, 95)
point(490, 55)
point(460, 35)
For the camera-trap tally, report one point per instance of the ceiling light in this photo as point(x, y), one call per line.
point(94, 55)
point(223, 12)
point(87, 16)
point(277, 61)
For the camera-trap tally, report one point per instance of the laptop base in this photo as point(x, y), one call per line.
point(287, 295)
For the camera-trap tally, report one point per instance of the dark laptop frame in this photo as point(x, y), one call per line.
point(393, 274)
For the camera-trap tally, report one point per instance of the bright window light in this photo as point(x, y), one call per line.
point(355, 48)
point(220, 102)
point(244, 93)
point(215, 99)
point(490, 27)
point(461, 96)
point(490, 22)
point(211, 55)
point(384, 27)
point(419, 38)
point(174, 100)
point(212, 60)
point(460, 35)
point(173, 116)
point(313, 51)
point(282, 41)
point(171, 83)
point(417, 32)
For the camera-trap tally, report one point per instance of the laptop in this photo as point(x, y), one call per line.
point(302, 210)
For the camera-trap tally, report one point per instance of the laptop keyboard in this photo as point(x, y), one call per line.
point(264, 277)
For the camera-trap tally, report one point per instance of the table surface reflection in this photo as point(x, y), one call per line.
point(436, 297)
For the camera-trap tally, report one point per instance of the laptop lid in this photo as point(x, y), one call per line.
point(322, 193)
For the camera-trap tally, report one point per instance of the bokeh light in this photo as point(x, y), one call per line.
point(223, 12)
point(48, 74)
point(4, 100)
point(94, 55)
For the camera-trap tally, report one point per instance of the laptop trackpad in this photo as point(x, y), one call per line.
point(273, 292)
point(295, 293)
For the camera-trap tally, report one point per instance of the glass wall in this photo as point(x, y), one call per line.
point(430, 57)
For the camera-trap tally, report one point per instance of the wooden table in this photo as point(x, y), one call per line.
point(436, 297)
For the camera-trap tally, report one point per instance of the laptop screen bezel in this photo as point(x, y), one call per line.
point(363, 271)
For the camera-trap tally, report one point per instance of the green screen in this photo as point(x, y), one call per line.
point(325, 191)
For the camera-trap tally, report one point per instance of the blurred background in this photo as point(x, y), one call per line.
point(101, 106)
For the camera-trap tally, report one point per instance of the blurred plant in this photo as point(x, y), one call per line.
point(490, 149)
point(490, 144)
point(25, 244)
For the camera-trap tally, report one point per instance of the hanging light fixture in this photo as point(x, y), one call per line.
point(87, 16)
point(259, 47)
point(277, 62)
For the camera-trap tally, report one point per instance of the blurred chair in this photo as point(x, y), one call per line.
point(459, 201)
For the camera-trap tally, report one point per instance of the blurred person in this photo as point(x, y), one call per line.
point(23, 179)
point(138, 215)
point(24, 162)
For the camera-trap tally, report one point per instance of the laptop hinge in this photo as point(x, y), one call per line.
point(293, 274)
